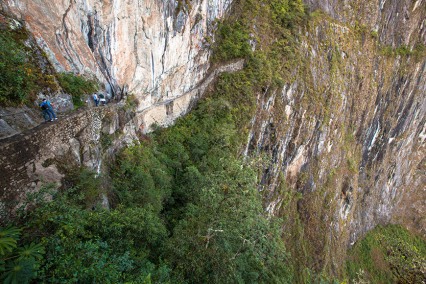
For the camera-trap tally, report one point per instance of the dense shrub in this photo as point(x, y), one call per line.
point(24, 70)
point(232, 41)
point(16, 72)
point(388, 255)
point(225, 236)
point(77, 86)
point(94, 245)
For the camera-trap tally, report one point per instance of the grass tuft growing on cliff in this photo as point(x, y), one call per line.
point(388, 255)
point(418, 52)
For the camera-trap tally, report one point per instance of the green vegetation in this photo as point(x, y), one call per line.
point(20, 76)
point(184, 209)
point(184, 206)
point(77, 86)
point(268, 25)
point(183, 5)
point(360, 29)
point(374, 34)
point(233, 41)
point(388, 255)
point(18, 264)
point(16, 78)
point(131, 102)
point(418, 52)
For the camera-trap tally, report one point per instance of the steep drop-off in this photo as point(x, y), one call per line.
point(342, 144)
point(346, 135)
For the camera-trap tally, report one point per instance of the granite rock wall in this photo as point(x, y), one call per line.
point(345, 137)
point(153, 49)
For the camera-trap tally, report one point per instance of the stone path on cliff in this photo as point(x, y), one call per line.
point(46, 127)
point(25, 158)
point(196, 92)
point(202, 86)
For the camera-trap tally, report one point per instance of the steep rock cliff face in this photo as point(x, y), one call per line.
point(154, 49)
point(344, 139)
point(346, 136)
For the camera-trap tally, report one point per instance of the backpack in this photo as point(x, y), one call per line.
point(44, 106)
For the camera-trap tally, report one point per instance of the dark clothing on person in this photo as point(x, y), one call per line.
point(47, 109)
point(102, 99)
point(50, 107)
point(46, 114)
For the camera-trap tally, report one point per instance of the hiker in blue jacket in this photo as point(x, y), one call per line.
point(95, 99)
point(47, 108)
point(45, 111)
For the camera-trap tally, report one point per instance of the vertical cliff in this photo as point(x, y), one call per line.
point(154, 49)
point(345, 137)
point(342, 144)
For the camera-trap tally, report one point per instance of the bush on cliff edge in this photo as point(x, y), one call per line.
point(389, 254)
point(24, 71)
point(77, 86)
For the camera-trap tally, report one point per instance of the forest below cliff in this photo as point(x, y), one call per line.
point(183, 204)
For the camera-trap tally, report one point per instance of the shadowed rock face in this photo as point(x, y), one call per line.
point(347, 134)
point(154, 49)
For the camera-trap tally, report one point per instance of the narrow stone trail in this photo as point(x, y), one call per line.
point(34, 157)
point(47, 126)
point(195, 92)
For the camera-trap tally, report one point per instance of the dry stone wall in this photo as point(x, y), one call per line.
point(39, 156)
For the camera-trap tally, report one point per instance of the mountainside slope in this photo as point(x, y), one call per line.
point(346, 135)
point(330, 108)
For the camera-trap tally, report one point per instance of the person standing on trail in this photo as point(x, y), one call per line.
point(47, 108)
point(45, 111)
point(50, 109)
point(96, 99)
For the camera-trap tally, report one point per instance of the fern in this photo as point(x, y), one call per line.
point(12, 232)
point(32, 250)
point(17, 264)
point(19, 272)
point(8, 238)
